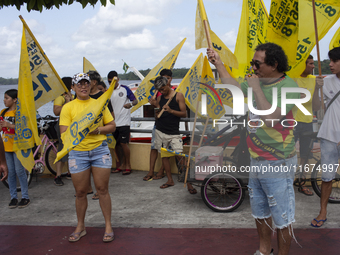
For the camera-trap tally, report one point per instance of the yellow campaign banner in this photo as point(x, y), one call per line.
point(335, 42)
point(87, 121)
point(283, 26)
point(111, 141)
point(326, 16)
point(47, 84)
point(26, 131)
point(189, 86)
point(215, 109)
point(146, 89)
point(226, 55)
point(330, 2)
point(87, 66)
point(252, 32)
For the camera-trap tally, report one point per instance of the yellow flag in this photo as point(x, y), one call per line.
point(87, 121)
point(146, 89)
point(283, 26)
point(87, 66)
point(326, 16)
point(330, 2)
point(47, 84)
point(111, 141)
point(335, 42)
point(251, 32)
point(26, 131)
point(201, 41)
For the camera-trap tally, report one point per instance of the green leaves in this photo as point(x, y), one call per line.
point(39, 5)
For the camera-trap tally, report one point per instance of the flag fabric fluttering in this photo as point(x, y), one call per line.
point(47, 84)
point(283, 26)
point(330, 2)
point(26, 131)
point(87, 66)
point(146, 89)
point(226, 55)
point(326, 16)
point(200, 79)
point(125, 67)
point(251, 32)
point(335, 42)
point(87, 121)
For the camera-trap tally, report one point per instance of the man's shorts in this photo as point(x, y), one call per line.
point(330, 154)
point(271, 190)
point(122, 134)
point(301, 128)
point(80, 161)
point(60, 143)
point(164, 140)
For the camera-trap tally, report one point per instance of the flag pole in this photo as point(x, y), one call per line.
point(318, 55)
point(42, 51)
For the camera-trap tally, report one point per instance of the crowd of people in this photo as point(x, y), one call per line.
point(272, 196)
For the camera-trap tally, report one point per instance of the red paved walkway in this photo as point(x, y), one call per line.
point(53, 240)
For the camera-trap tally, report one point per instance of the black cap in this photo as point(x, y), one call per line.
point(112, 74)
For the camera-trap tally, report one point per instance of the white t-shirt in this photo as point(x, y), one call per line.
point(330, 127)
point(122, 95)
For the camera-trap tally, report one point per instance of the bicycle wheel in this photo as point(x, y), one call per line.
point(29, 180)
point(50, 156)
point(316, 183)
point(222, 192)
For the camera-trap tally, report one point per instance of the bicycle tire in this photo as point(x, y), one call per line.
point(50, 157)
point(29, 180)
point(316, 184)
point(222, 192)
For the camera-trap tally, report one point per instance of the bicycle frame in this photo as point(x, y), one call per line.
point(46, 142)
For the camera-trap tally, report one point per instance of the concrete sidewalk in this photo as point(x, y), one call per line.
point(140, 204)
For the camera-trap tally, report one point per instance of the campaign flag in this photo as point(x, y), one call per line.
point(226, 55)
point(87, 121)
point(330, 2)
point(87, 66)
point(146, 89)
point(111, 141)
point(47, 84)
point(283, 26)
point(326, 16)
point(26, 131)
point(125, 67)
point(335, 42)
point(252, 32)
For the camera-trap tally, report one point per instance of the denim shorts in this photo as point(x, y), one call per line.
point(304, 140)
point(80, 161)
point(271, 190)
point(330, 154)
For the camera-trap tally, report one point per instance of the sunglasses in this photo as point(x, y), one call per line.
point(256, 64)
point(83, 84)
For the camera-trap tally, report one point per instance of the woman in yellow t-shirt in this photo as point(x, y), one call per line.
point(91, 154)
point(15, 167)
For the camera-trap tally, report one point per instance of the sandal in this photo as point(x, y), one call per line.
point(166, 185)
point(317, 222)
point(110, 235)
point(157, 177)
point(305, 191)
point(126, 172)
point(117, 170)
point(76, 236)
point(95, 196)
point(147, 178)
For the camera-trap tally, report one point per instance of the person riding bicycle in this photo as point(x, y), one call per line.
point(14, 165)
point(271, 145)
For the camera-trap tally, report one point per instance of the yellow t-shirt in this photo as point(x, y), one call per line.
point(71, 110)
point(307, 83)
point(8, 135)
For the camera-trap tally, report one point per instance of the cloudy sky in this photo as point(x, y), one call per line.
point(141, 32)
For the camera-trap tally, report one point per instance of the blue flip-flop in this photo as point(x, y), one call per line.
point(317, 221)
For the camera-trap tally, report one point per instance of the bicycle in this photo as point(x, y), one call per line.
point(316, 172)
point(46, 156)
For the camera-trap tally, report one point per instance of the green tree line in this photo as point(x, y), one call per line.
point(324, 67)
point(10, 81)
